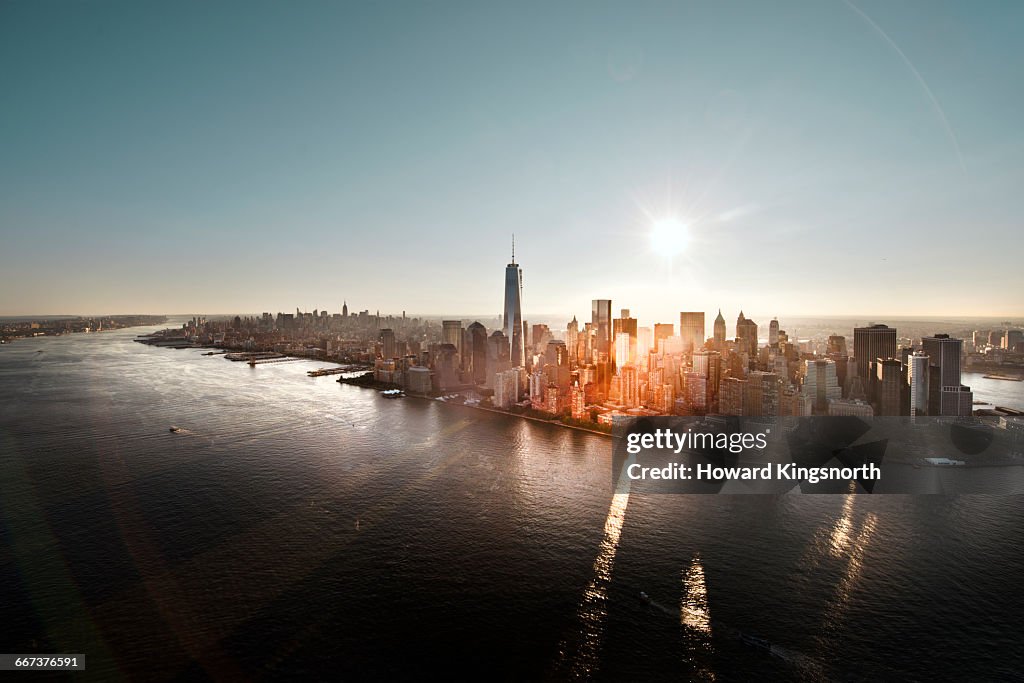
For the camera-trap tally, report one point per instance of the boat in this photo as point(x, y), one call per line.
point(645, 597)
point(175, 429)
point(393, 393)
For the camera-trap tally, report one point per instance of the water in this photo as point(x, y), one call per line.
point(997, 392)
point(299, 527)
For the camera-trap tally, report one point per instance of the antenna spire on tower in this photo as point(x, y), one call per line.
point(513, 248)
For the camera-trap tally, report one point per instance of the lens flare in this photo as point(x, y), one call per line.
point(669, 237)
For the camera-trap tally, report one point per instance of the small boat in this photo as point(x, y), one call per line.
point(645, 597)
point(175, 429)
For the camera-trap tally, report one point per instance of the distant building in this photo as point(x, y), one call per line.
point(691, 329)
point(389, 348)
point(513, 313)
point(477, 353)
point(917, 379)
point(625, 325)
point(944, 354)
point(871, 343)
point(746, 335)
point(850, 408)
point(730, 396)
point(889, 386)
point(761, 394)
point(418, 380)
point(719, 334)
point(506, 389)
point(821, 384)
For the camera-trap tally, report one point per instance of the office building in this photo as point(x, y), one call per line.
point(871, 343)
point(691, 329)
point(512, 318)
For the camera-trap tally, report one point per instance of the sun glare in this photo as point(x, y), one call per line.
point(669, 236)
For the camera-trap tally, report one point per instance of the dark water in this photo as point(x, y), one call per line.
point(298, 527)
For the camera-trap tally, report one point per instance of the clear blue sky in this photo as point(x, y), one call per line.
point(220, 157)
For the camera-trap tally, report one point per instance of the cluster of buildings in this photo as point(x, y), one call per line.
point(611, 365)
point(14, 329)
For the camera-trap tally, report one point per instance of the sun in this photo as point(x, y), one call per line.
point(669, 237)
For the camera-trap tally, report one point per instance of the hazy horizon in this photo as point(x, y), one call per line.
point(782, 157)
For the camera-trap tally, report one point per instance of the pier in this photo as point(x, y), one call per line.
point(323, 372)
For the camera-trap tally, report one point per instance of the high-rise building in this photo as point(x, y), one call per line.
point(625, 325)
point(512, 318)
point(917, 379)
point(644, 342)
point(630, 386)
point(477, 353)
point(389, 348)
point(761, 394)
point(731, 392)
point(691, 329)
point(622, 341)
point(944, 351)
point(719, 330)
point(821, 384)
point(662, 331)
point(888, 387)
point(746, 335)
point(773, 332)
point(871, 343)
point(572, 335)
point(952, 397)
point(837, 346)
point(708, 364)
point(601, 323)
point(451, 333)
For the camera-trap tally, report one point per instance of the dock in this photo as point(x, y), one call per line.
point(323, 372)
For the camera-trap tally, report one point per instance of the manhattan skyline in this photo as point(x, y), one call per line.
point(796, 159)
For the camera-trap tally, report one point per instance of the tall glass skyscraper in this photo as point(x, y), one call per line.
point(513, 320)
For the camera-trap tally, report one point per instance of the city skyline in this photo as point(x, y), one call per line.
point(794, 158)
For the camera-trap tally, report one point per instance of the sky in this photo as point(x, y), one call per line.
point(790, 157)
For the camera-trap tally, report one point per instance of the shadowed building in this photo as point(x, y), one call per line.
point(871, 343)
point(477, 353)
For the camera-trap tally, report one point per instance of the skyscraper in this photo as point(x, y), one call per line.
point(477, 353)
point(626, 325)
point(572, 334)
point(513, 315)
point(691, 329)
point(954, 399)
point(719, 330)
point(451, 333)
point(889, 386)
point(601, 322)
point(821, 384)
point(917, 378)
point(773, 332)
point(944, 351)
point(746, 335)
point(388, 346)
point(871, 343)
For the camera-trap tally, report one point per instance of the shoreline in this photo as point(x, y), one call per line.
point(378, 387)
